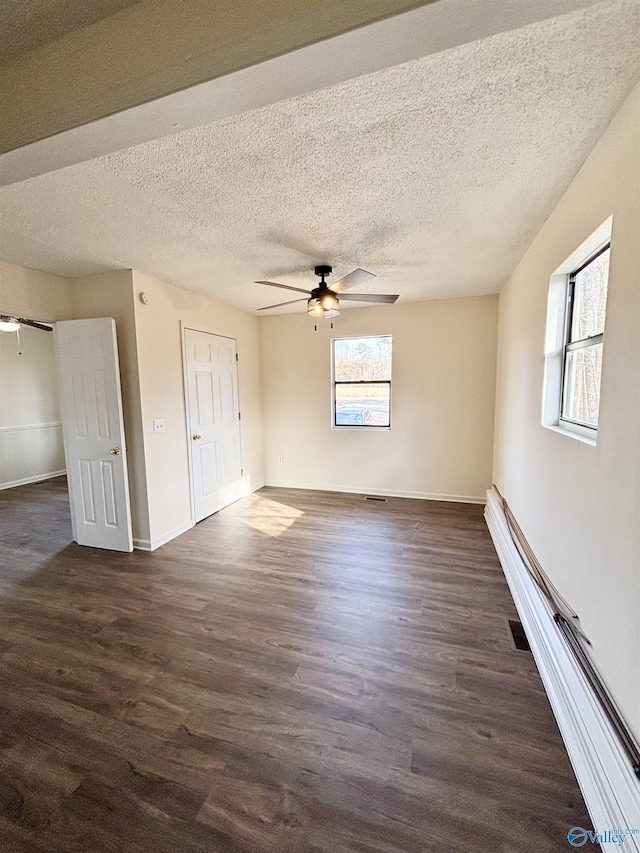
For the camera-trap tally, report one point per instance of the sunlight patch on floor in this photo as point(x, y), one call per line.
point(269, 517)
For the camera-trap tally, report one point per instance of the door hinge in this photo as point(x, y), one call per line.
point(242, 472)
point(239, 416)
point(236, 356)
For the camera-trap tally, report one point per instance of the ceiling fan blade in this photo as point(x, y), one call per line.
point(284, 286)
point(356, 277)
point(281, 238)
point(280, 304)
point(35, 325)
point(369, 297)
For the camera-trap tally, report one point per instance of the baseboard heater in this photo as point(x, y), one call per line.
point(604, 753)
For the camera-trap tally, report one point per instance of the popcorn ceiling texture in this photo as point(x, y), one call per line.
point(436, 174)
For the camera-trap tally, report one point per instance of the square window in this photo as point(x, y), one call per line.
point(362, 382)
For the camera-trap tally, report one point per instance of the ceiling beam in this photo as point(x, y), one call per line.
point(161, 67)
point(156, 47)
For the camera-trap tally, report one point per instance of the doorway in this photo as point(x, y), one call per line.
point(60, 392)
point(213, 421)
point(30, 424)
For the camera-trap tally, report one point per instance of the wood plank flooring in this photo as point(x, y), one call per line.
point(303, 672)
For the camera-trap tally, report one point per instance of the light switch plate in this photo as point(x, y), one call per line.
point(158, 426)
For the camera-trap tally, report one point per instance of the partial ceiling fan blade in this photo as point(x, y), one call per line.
point(35, 325)
point(369, 297)
point(284, 286)
point(281, 238)
point(280, 304)
point(354, 278)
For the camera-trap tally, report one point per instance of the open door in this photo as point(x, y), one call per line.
point(93, 433)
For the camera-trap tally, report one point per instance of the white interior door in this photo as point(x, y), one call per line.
point(93, 433)
point(214, 421)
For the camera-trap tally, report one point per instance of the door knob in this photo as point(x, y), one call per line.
point(196, 437)
point(115, 451)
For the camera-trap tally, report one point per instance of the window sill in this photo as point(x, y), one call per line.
point(360, 428)
point(585, 439)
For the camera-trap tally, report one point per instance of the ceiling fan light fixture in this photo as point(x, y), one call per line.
point(9, 324)
point(330, 302)
point(325, 306)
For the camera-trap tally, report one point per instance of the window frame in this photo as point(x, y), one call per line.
point(589, 430)
point(334, 382)
point(554, 334)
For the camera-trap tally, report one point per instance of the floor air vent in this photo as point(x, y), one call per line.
point(518, 636)
point(374, 498)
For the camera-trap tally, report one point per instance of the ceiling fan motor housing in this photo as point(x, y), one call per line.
point(323, 270)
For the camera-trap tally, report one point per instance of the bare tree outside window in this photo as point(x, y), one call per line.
point(586, 306)
point(362, 381)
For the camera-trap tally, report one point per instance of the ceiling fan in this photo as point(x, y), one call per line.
point(12, 324)
point(323, 300)
point(9, 323)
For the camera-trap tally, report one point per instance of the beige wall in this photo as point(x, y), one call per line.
point(577, 504)
point(440, 443)
point(30, 433)
point(33, 294)
point(159, 345)
point(111, 295)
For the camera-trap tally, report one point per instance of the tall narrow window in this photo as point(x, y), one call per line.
point(584, 338)
point(362, 382)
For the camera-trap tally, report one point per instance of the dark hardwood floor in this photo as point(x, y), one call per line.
point(303, 671)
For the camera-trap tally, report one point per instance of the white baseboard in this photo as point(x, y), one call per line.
point(37, 478)
point(388, 493)
point(159, 541)
point(609, 786)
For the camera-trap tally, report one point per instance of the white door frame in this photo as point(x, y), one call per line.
point(185, 380)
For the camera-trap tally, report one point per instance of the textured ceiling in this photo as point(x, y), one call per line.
point(28, 24)
point(435, 174)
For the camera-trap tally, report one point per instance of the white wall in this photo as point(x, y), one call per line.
point(159, 345)
point(440, 443)
point(111, 295)
point(30, 432)
point(578, 505)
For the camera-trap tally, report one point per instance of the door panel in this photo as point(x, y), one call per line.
point(228, 407)
point(204, 397)
point(93, 432)
point(229, 455)
point(214, 426)
point(86, 486)
point(101, 404)
point(109, 491)
point(208, 468)
point(80, 421)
